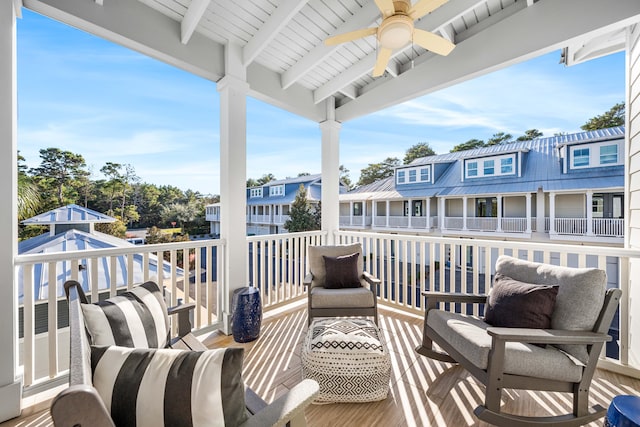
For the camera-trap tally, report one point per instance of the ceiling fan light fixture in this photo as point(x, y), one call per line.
point(395, 31)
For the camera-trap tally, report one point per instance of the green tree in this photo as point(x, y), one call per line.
point(421, 149)
point(469, 145)
point(57, 171)
point(529, 135)
point(344, 176)
point(182, 213)
point(116, 228)
point(499, 138)
point(613, 117)
point(377, 171)
point(251, 183)
point(301, 215)
point(267, 177)
point(28, 194)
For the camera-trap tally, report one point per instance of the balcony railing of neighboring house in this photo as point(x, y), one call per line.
point(44, 342)
point(398, 221)
point(490, 224)
point(609, 227)
point(380, 221)
point(213, 217)
point(576, 226)
point(481, 224)
point(514, 225)
point(277, 264)
point(280, 219)
point(355, 221)
point(603, 227)
point(260, 219)
point(453, 223)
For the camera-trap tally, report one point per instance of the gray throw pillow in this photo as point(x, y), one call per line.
point(515, 304)
point(341, 271)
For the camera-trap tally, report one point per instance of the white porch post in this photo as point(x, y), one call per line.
point(330, 130)
point(10, 383)
point(589, 207)
point(540, 211)
point(499, 209)
point(351, 213)
point(364, 213)
point(233, 90)
point(441, 212)
point(464, 213)
point(387, 211)
point(374, 213)
point(552, 213)
point(528, 207)
point(410, 203)
point(428, 212)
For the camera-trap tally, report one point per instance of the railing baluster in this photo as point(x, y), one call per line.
point(29, 323)
point(52, 321)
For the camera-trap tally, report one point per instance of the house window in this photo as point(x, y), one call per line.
point(412, 175)
point(487, 207)
point(506, 166)
point(424, 175)
point(400, 177)
point(597, 206)
point(608, 154)
point(277, 190)
point(488, 167)
point(472, 169)
point(357, 209)
point(580, 157)
point(417, 208)
point(255, 192)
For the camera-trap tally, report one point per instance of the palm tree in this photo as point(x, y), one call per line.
point(28, 197)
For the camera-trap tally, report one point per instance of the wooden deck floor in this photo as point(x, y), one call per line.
point(423, 392)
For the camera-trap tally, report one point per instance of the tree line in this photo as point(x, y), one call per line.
point(63, 178)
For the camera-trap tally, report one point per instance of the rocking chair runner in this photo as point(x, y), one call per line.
point(506, 357)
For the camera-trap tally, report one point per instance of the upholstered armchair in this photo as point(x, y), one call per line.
point(338, 285)
point(544, 328)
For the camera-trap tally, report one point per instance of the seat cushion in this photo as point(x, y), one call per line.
point(316, 260)
point(515, 304)
point(341, 271)
point(166, 387)
point(341, 298)
point(468, 335)
point(136, 318)
point(580, 295)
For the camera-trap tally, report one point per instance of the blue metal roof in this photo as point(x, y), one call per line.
point(312, 183)
point(70, 214)
point(541, 168)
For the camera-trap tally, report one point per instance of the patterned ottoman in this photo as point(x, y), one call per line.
point(348, 358)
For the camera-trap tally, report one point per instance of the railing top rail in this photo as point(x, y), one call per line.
point(98, 253)
point(506, 244)
point(284, 236)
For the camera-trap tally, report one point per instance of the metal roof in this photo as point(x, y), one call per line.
point(70, 214)
point(296, 180)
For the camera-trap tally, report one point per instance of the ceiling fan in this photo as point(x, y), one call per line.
point(397, 30)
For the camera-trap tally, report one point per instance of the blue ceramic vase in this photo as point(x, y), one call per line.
point(246, 314)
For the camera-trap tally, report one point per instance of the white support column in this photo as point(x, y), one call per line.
point(387, 212)
point(528, 207)
point(364, 213)
point(499, 208)
point(464, 212)
point(10, 380)
point(441, 212)
point(374, 212)
point(552, 213)
point(351, 213)
point(428, 212)
point(589, 208)
point(233, 90)
point(409, 205)
point(330, 130)
point(540, 211)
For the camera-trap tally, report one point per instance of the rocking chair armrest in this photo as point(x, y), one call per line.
point(370, 279)
point(547, 336)
point(183, 311)
point(455, 297)
point(307, 279)
point(289, 407)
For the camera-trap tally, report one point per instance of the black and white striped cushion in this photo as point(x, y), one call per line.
point(166, 387)
point(136, 318)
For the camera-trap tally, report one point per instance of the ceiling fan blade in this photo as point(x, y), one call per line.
point(381, 63)
point(430, 41)
point(423, 7)
point(386, 7)
point(352, 35)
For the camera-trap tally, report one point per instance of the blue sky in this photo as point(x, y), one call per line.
point(79, 93)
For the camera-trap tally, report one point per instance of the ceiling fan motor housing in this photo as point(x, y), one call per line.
point(395, 31)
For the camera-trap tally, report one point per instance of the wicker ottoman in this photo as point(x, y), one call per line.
point(348, 358)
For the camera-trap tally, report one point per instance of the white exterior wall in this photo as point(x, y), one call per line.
point(514, 206)
point(570, 206)
point(397, 208)
point(454, 207)
point(632, 190)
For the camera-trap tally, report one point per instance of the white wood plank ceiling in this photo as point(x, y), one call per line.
point(289, 66)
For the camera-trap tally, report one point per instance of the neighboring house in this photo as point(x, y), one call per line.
point(72, 228)
point(568, 187)
point(268, 205)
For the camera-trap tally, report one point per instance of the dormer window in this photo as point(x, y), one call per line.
point(598, 154)
point(255, 192)
point(413, 175)
point(581, 157)
point(492, 166)
point(276, 190)
point(608, 154)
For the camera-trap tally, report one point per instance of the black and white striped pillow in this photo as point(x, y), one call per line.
point(136, 318)
point(166, 387)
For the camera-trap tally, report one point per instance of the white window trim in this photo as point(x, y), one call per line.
point(418, 172)
point(594, 154)
point(276, 190)
point(497, 166)
point(254, 193)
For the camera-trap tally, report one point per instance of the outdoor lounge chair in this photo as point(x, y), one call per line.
point(564, 358)
point(82, 405)
point(343, 289)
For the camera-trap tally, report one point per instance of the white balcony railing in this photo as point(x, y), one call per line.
point(260, 219)
point(277, 265)
point(608, 227)
point(355, 221)
point(604, 227)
